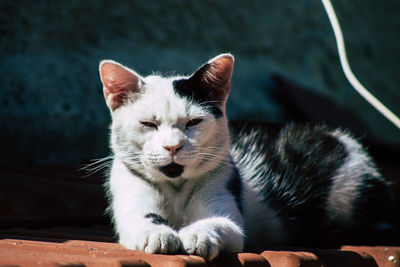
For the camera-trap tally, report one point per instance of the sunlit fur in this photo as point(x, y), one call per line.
point(259, 189)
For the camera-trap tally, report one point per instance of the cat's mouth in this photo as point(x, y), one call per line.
point(172, 170)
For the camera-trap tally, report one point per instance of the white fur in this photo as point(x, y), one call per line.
point(134, 231)
point(270, 231)
point(208, 221)
point(209, 236)
point(159, 104)
point(348, 179)
point(204, 217)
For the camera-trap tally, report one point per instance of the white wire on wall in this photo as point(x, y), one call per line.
point(347, 70)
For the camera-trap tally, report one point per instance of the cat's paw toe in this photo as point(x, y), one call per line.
point(200, 244)
point(164, 241)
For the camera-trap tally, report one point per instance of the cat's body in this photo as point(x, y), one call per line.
point(178, 183)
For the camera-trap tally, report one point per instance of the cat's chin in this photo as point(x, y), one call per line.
point(172, 170)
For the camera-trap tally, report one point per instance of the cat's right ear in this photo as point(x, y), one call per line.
point(119, 83)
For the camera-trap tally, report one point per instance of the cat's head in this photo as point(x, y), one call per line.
point(169, 127)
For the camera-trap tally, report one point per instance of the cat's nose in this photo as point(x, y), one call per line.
point(173, 149)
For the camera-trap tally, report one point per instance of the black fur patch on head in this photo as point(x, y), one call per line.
point(187, 88)
point(235, 187)
point(157, 219)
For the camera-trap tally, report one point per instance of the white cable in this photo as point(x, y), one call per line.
point(347, 70)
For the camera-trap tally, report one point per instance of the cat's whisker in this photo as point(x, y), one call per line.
point(96, 166)
point(211, 148)
point(96, 162)
point(220, 159)
point(210, 102)
point(211, 154)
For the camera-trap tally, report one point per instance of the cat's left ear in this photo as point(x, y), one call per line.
point(119, 83)
point(214, 78)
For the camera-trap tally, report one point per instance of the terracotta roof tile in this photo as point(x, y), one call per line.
point(58, 234)
point(291, 259)
point(14, 252)
point(384, 256)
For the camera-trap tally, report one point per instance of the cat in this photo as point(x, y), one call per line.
point(183, 180)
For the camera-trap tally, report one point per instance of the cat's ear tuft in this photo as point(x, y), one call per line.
point(215, 76)
point(119, 83)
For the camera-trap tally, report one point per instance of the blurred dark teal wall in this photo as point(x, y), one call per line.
point(52, 107)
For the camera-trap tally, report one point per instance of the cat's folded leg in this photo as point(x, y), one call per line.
point(208, 237)
point(139, 222)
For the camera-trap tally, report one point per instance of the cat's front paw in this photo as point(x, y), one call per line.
point(201, 242)
point(159, 239)
point(208, 237)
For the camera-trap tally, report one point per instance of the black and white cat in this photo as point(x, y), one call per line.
point(182, 181)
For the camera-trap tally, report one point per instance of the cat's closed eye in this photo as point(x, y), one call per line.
point(193, 122)
point(149, 124)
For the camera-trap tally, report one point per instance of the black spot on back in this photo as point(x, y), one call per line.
point(235, 187)
point(296, 176)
